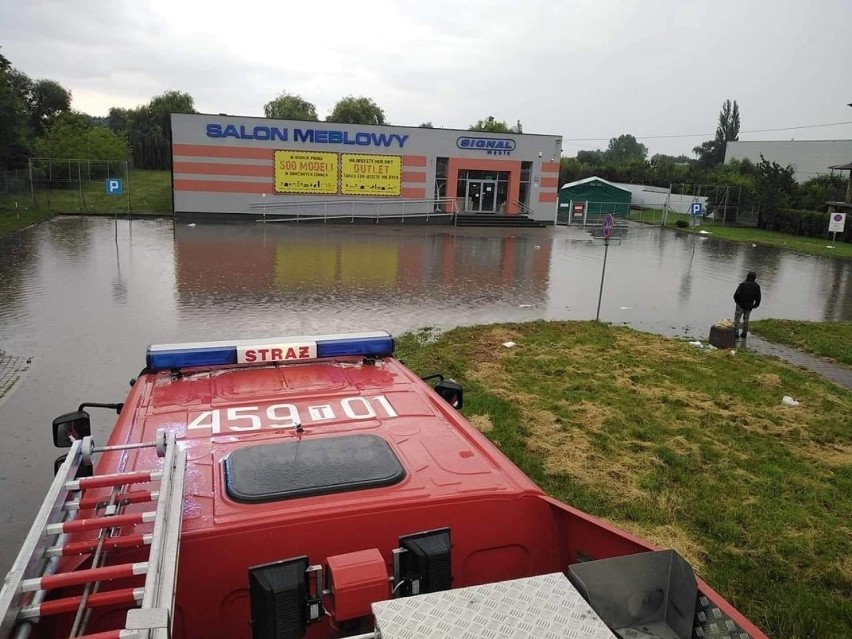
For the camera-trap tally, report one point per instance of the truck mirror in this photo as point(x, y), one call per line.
point(70, 427)
point(451, 392)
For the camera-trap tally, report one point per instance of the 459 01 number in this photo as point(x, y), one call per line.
point(249, 418)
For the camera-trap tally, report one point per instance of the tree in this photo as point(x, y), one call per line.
point(426, 125)
point(118, 119)
point(288, 106)
point(148, 127)
point(590, 157)
point(661, 159)
point(490, 125)
point(13, 120)
point(775, 188)
point(728, 129)
point(625, 149)
point(712, 152)
point(352, 110)
point(47, 101)
point(72, 136)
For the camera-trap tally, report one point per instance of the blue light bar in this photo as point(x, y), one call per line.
point(177, 357)
point(356, 345)
point(265, 351)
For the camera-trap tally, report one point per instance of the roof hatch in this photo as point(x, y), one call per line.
point(308, 467)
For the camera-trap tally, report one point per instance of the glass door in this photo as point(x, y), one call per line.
point(489, 197)
point(481, 196)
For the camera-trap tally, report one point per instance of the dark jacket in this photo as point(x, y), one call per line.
point(747, 295)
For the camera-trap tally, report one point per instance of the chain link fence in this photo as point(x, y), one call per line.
point(721, 204)
point(66, 186)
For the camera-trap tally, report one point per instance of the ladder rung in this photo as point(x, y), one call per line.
point(113, 479)
point(110, 543)
point(84, 576)
point(97, 600)
point(109, 634)
point(94, 523)
point(93, 503)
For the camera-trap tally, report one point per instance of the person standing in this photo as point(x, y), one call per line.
point(747, 297)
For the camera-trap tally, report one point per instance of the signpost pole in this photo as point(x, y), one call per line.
point(603, 273)
point(607, 233)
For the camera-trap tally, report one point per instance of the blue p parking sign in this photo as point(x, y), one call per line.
point(697, 208)
point(114, 186)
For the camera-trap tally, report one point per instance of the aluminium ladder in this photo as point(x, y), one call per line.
point(23, 596)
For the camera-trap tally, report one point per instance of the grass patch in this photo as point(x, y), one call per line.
point(808, 245)
point(686, 448)
point(826, 339)
point(147, 192)
point(11, 221)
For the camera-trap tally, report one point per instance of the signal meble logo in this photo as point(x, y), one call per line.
point(492, 146)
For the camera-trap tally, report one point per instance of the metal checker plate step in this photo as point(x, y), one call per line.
point(543, 607)
point(712, 623)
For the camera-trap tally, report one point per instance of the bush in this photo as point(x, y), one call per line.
point(682, 224)
point(806, 223)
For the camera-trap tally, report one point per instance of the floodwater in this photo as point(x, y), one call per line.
point(84, 297)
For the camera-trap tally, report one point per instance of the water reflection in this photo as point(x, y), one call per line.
point(361, 265)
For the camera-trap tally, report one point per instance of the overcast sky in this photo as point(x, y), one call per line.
point(580, 68)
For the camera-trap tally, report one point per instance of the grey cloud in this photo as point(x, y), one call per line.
point(579, 69)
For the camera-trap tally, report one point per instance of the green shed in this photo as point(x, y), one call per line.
point(592, 196)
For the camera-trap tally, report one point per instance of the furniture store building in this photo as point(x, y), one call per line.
point(257, 166)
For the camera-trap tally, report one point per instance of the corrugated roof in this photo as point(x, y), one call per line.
point(591, 179)
point(842, 167)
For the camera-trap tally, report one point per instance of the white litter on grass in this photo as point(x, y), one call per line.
point(508, 344)
point(193, 224)
point(696, 344)
point(831, 247)
point(524, 305)
point(704, 232)
point(754, 245)
point(789, 401)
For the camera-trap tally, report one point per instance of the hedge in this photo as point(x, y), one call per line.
point(807, 223)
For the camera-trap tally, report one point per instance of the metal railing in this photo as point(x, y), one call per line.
point(523, 208)
point(313, 211)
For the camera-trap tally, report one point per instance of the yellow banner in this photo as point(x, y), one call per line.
point(373, 175)
point(309, 172)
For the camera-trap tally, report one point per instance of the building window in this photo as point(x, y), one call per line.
point(441, 177)
point(524, 193)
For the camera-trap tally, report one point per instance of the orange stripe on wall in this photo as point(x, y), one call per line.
point(218, 151)
point(413, 176)
point(550, 167)
point(547, 196)
point(413, 192)
point(549, 182)
point(217, 186)
point(413, 160)
point(209, 168)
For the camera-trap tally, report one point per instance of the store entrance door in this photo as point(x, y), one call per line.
point(481, 196)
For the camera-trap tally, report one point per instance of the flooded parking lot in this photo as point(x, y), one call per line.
point(83, 297)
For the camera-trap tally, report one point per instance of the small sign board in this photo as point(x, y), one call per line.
point(114, 186)
point(837, 223)
point(579, 209)
point(607, 226)
point(697, 208)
